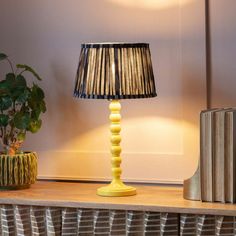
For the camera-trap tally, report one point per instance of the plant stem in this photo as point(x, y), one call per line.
point(1, 132)
point(14, 106)
point(4, 135)
point(11, 136)
point(3, 145)
point(22, 72)
point(11, 66)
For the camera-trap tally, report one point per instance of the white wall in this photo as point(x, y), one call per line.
point(160, 135)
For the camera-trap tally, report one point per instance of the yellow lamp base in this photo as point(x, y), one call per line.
point(116, 189)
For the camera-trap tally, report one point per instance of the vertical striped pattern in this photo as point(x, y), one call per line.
point(53, 221)
point(115, 71)
point(152, 223)
point(18, 170)
point(206, 225)
point(169, 224)
point(22, 216)
point(85, 222)
point(188, 225)
point(215, 178)
point(7, 220)
point(225, 225)
point(135, 224)
point(38, 219)
point(69, 222)
point(117, 222)
point(192, 225)
point(101, 222)
point(21, 220)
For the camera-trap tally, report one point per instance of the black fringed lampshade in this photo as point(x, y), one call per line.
point(115, 71)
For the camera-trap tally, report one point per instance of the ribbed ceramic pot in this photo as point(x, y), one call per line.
point(18, 171)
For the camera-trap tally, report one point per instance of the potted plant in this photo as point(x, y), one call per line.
point(21, 105)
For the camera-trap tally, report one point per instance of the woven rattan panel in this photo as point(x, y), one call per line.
point(40, 221)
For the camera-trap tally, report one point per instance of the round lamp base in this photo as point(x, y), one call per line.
point(116, 190)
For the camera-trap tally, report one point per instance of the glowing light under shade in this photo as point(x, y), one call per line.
point(151, 4)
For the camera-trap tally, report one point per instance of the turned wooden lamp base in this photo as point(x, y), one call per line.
point(116, 188)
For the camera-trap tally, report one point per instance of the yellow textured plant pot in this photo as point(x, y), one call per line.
point(18, 171)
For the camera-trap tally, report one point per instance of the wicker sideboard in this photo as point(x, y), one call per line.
point(54, 208)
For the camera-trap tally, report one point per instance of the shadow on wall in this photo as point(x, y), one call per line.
point(192, 95)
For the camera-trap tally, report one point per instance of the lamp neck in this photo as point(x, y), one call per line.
point(115, 129)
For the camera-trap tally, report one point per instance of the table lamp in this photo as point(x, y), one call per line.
point(115, 71)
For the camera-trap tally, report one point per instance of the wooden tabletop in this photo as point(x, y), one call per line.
point(83, 195)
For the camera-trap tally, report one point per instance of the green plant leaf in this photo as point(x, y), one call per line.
point(38, 107)
point(29, 101)
point(20, 81)
point(16, 85)
point(3, 91)
point(5, 103)
point(25, 108)
point(37, 93)
point(21, 136)
point(3, 84)
point(7, 84)
point(36, 100)
point(43, 106)
point(3, 56)
point(34, 126)
point(10, 79)
point(21, 120)
point(22, 98)
point(29, 69)
point(4, 120)
point(35, 113)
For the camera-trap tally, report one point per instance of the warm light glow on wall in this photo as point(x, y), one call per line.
point(149, 148)
point(151, 4)
point(156, 134)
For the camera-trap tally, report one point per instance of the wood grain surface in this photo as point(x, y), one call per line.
point(83, 195)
